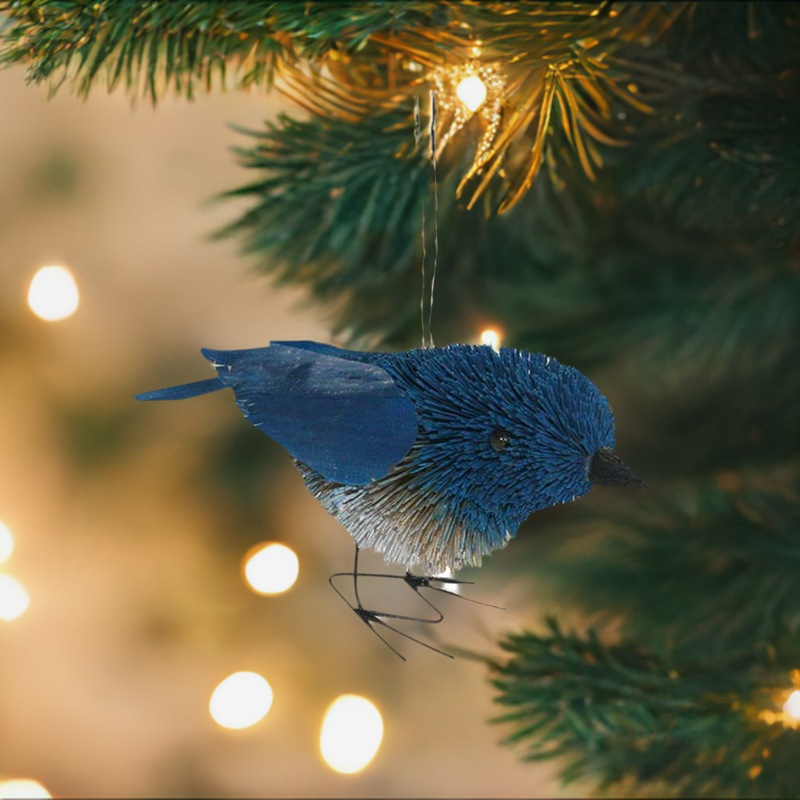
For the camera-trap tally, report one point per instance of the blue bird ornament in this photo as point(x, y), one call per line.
point(432, 457)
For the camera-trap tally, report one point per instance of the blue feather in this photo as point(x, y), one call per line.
point(183, 392)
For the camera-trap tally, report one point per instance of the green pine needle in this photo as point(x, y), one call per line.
point(636, 723)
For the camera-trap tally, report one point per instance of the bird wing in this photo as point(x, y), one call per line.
point(326, 350)
point(342, 417)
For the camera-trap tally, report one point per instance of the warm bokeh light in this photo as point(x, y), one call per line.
point(491, 339)
point(271, 568)
point(471, 92)
point(6, 543)
point(241, 700)
point(13, 598)
point(53, 294)
point(448, 587)
point(22, 787)
point(792, 705)
point(351, 733)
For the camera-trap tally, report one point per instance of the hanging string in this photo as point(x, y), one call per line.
point(435, 214)
point(417, 137)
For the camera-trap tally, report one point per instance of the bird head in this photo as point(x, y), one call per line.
point(504, 434)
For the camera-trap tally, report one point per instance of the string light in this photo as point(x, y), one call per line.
point(240, 701)
point(6, 543)
point(14, 600)
point(792, 705)
point(22, 787)
point(271, 568)
point(491, 339)
point(53, 294)
point(471, 92)
point(463, 91)
point(351, 733)
point(789, 715)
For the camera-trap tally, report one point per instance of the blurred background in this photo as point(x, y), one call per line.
point(125, 601)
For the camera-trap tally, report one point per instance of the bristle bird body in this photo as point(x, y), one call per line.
point(432, 457)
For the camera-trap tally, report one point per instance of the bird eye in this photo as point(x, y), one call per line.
point(499, 440)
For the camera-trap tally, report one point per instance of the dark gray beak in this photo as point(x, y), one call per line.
point(608, 469)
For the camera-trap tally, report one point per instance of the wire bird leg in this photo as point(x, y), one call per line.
point(416, 582)
point(375, 617)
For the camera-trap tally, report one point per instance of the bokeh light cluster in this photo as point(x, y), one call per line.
point(352, 727)
point(14, 600)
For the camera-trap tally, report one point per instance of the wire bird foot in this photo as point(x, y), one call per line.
point(416, 582)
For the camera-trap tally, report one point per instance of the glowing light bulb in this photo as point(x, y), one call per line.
point(491, 339)
point(241, 700)
point(271, 568)
point(53, 294)
point(792, 705)
point(14, 599)
point(22, 787)
point(471, 92)
point(6, 543)
point(351, 733)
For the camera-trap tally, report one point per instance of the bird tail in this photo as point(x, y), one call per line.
point(183, 391)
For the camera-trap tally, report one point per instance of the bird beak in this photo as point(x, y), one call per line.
point(608, 469)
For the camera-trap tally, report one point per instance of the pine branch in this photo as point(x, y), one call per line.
point(741, 37)
point(696, 427)
point(681, 305)
point(155, 45)
point(570, 55)
point(733, 156)
point(372, 52)
point(700, 575)
point(636, 722)
point(569, 265)
point(338, 207)
point(578, 255)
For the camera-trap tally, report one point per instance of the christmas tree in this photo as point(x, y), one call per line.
point(615, 185)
